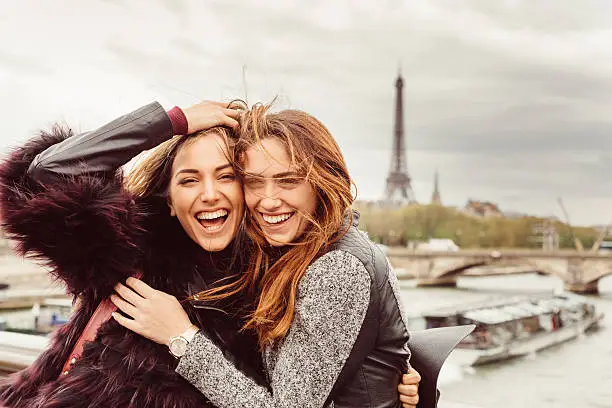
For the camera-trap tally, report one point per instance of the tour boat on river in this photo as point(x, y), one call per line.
point(516, 326)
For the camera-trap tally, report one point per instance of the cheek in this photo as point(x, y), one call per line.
point(235, 195)
point(174, 200)
point(251, 199)
point(308, 199)
point(180, 199)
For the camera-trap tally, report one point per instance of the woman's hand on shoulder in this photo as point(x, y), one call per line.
point(153, 314)
point(409, 389)
point(208, 114)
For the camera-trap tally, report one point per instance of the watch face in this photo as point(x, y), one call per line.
point(178, 346)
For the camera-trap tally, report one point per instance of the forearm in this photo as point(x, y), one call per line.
point(333, 300)
point(207, 369)
point(107, 148)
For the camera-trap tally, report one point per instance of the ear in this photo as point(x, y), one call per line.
point(172, 210)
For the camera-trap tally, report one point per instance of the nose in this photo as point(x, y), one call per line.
point(270, 204)
point(269, 199)
point(269, 189)
point(210, 192)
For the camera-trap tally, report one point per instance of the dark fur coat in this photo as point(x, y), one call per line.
point(93, 234)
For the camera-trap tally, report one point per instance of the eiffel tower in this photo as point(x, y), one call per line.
point(399, 190)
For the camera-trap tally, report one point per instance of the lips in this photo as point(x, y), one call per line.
point(277, 219)
point(212, 221)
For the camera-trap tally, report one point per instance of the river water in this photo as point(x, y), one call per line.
point(574, 374)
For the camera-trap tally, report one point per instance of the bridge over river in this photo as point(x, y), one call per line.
point(580, 271)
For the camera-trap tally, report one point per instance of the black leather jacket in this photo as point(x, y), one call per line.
point(380, 354)
point(106, 148)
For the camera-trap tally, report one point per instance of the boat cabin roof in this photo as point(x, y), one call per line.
point(506, 310)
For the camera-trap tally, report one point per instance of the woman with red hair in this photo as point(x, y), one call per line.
point(328, 316)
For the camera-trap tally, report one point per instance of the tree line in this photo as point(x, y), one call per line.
point(418, 223)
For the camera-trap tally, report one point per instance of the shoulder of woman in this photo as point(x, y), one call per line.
point(337, 269)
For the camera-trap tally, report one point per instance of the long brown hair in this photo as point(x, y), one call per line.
point(316, 154)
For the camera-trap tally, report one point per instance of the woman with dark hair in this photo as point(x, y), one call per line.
point(64, 202)
point(175, 221)
point(328, 314)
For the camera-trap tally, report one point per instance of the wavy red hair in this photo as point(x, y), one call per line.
point(316, 154)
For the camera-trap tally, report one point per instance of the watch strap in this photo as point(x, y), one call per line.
point(190, 333)
point(185, 337)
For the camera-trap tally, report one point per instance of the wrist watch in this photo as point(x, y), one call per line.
point(178, 344)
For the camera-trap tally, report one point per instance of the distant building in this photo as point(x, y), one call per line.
point(435, 197)
point(514, 215)
point(482, 209)
point(369, 205)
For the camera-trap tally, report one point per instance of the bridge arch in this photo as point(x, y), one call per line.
point(446, 273)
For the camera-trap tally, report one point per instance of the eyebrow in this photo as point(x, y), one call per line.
point(186, 171)
point(196, 171)
point(223, 167)
point(275, 176)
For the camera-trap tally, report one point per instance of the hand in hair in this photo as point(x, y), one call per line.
point(208, 114)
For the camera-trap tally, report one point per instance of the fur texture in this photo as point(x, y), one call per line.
point(93, 234)
point(85, 228)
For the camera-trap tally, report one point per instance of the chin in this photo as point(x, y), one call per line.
point(279, 240)
point(276, 243)
point(217, 242)
point(214, 246)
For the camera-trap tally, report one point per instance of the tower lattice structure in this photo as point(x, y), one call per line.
point(399, 189)
point(435, 197)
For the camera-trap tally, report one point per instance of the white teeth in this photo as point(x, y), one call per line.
point(205, 215)
point(275, 219)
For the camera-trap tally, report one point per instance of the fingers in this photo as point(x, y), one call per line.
point(231, 117)
point(232, 113)
point(229, 105)
point(124, 306)
point(140, 287)
point(408, 390)
point(229, 122)
point(209, 114)
point(218, 103)
point(409, 400)
point(412, 378)
point(214, 103)
point(125, 322)
point(128, 294)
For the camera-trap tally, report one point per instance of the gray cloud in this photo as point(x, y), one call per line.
point(508, 99)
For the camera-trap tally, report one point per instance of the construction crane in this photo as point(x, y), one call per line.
point(577, 241)
point(602, 235)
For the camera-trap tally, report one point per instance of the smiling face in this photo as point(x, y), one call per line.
point(279, 198)
point(204, 193)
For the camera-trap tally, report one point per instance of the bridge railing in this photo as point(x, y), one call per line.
point(18, 350)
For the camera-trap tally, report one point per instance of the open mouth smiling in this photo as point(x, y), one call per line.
point(277, 219)
point(212, 221)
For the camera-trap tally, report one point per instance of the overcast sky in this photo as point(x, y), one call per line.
point(509, 99)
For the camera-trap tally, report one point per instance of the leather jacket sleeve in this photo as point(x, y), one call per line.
point(107, 148)
point(63, 203)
